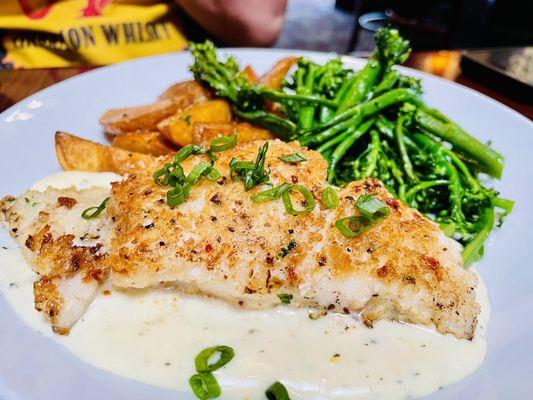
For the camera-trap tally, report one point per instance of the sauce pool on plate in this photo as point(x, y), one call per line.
point(153, 336)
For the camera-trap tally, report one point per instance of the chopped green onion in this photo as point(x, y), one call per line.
point(212, 174)
point(371, 208)
point(205, 386)
point(352, 226)
point(93, 212)
point(185, 152)
point(250, 173)
point(330, 198)
point(277, 392)
point(223, 143)
point(172, 174)
point(271, 194)
point(178, 195)
point(285, 298)
point(202, 359)
point(308, 197)
point(293, 158)
point(196, 173)
point(372, 211)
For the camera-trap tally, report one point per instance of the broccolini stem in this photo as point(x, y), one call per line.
point(386, 83)
point(276, 95)
point(305, 87)
point(504, 204)
point(363, 82)
point(426, 141)
point(422, 186)
point(278, 125)
point(373, 154)
point(489, 160)
point(472, 251)
point(332, 142)
point(408, 167)
point(344, 146)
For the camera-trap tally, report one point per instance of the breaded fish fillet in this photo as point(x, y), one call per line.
point(65, 250)
point(222, 244)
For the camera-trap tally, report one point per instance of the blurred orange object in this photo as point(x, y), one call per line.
point(443, 63)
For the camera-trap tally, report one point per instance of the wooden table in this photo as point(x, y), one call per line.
point(16, 85)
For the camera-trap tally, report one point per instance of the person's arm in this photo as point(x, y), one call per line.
point(238, 22)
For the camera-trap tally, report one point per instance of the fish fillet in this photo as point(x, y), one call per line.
point(219, 243)
point(66, 251)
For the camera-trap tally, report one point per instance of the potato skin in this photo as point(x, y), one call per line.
point(194, 91)
point(151, 142)
point(178, 128)
point(77, 154)
point(204, 132)
point(117, 121)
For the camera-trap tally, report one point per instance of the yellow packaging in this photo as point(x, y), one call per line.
point(61, 33)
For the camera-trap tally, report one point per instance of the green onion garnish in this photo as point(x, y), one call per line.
point(330, 198)
point(277, 392)
point(223, 143)
point(205, 386)
point(306, 193)
point(202, 359)
point(250, 173)
point(172, 174)
point(372, 211)
point(352, 226)
point(293, 158)
point(284, 191)
point(271, 194)
point(285, 298)
point(371, 208)
point(93, 212)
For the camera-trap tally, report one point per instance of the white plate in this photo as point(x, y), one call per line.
point(34, 367)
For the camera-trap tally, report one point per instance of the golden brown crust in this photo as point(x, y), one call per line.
point(70, 268)
point(192, 90)
point(141, 118)
point(221, 243)
point(77, 154)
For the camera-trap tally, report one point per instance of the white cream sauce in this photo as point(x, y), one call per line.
point(153, 336)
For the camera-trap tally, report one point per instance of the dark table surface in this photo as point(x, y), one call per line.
point(16, 85)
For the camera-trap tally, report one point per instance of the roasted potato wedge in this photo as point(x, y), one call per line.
point(144, 142)
point(178, 128)
point(250, 74)
point(274, 77)
point(194, 91)
point(142, 118)
point(75, 153)
point(204, 132)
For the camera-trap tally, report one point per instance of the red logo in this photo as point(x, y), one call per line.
point(35, 12)
point(95, 7)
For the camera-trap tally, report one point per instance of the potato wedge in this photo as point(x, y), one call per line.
point(193, 90)
point(142, 118)
point(204, 132)
point(178, 128)
point(144, 142)
point(273, 78)
point(250, 74)
point(75, 153)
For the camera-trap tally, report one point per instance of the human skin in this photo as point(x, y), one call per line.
point(239, 22)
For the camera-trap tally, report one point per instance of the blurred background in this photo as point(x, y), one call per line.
point(346, 26)
point(485, 44)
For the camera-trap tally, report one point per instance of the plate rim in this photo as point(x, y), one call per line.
point(346, 58)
